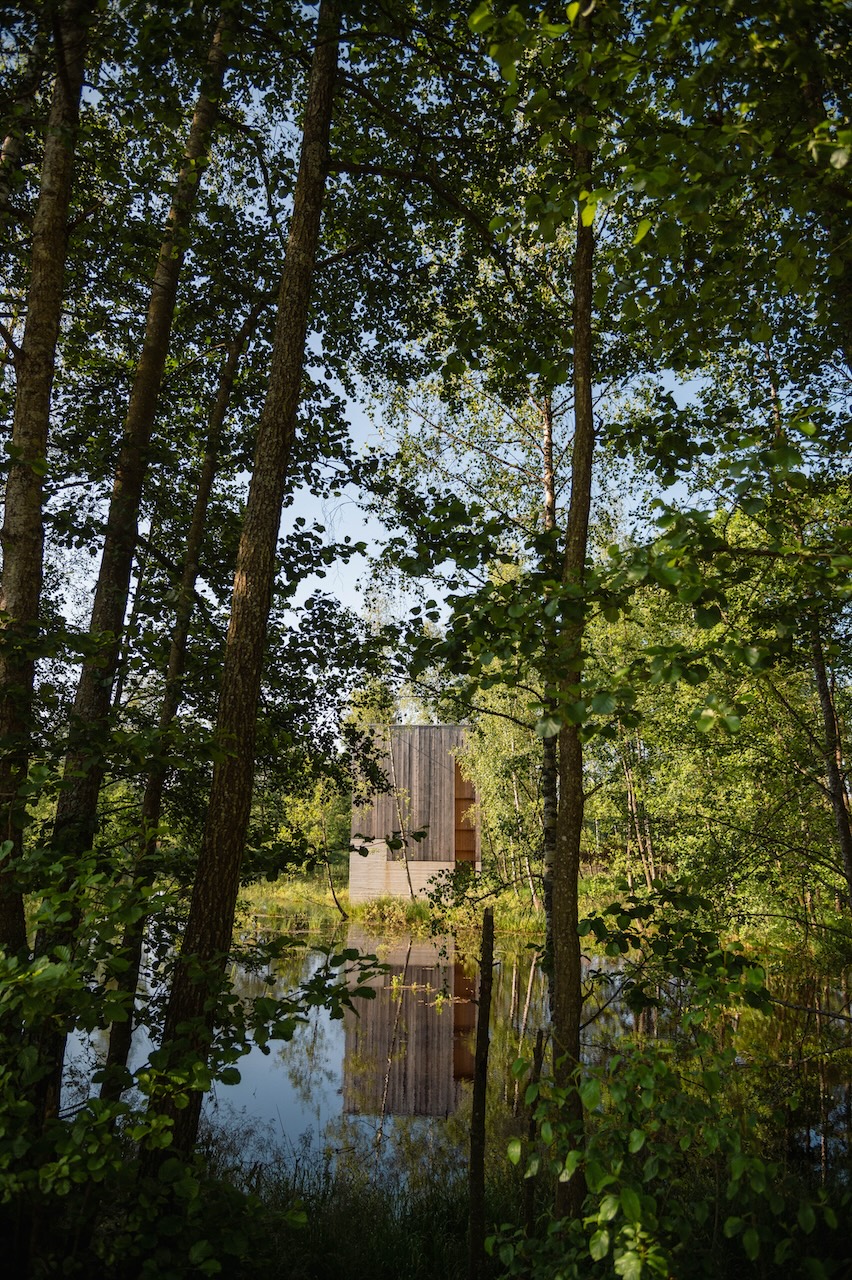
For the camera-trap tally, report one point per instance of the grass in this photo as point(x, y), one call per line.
point(295, 904)
point(302, 903)
point(314, 1218)
point(394, 915)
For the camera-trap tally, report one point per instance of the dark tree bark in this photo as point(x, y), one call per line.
point(190, 1014)
point(476, 1166)
point(838, 795)
point(74, 826)
point(85, 762)
point(567, 994)
point(22, 535)
point(152, 800)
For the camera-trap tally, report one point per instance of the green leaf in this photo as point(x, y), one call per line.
point(807, 1218)
point(482, 18)
point(707, 616)
point(751, 1243)
point(629, 1265)
point(599, 1244)
point(608, 1208)
point(642, 230)
point(590, 1094)
point(636, 1141)
point(513, 1151)
point(631, 1204)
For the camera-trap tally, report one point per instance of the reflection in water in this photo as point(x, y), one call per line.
point(407, 1050)
point(391, 1078)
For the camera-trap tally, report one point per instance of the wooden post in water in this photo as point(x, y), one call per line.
point(476, 1169)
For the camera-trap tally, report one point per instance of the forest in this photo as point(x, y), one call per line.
point(537, 321)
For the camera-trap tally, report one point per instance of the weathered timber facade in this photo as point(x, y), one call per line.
point(427, 794)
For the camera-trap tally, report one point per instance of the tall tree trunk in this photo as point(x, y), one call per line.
point(476, 1164)
point(85, 763)
point(152, 800)
point(207, 940)
point(834, 773)
point(549, 765)
point(22, 535)
point(634, 816)
point(567, 995)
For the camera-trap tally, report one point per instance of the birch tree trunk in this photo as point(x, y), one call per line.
point(22, 534)
point(198, 975)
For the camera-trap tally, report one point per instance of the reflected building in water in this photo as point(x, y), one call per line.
point(409, 1049)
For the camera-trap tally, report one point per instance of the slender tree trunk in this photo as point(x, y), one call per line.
point(634, 818)
point(549, 764)
point(132, 944)
point(22, 535)
point(835, 780)
point(567, 996)
point(393, 1041)
point(209, 929)
point(85, 764)
point(327, 856)
point(129, 635)
point(531, 882)
point(343, 914)
point(476, 1166)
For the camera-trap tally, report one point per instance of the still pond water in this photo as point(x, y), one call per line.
point(397, 1071)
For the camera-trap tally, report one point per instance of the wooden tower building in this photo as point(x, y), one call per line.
point(427, 793)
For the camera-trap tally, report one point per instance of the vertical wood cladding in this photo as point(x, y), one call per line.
point(425, 778)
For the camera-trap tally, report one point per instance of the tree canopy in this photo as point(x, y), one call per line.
point(587, 265)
